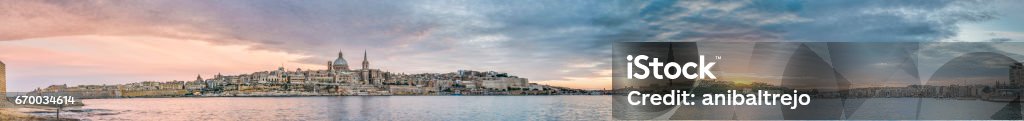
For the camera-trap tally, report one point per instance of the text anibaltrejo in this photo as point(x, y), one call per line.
point(677, 97)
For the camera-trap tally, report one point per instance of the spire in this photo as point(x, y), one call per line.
point(366, 62)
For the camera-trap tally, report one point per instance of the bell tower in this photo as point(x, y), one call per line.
point(366, 63)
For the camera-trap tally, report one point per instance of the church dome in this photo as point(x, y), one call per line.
point(340, 63)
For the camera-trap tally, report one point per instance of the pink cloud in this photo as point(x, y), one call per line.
point(121, 59)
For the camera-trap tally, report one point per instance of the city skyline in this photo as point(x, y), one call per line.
point(335, 78)
point(336, 71)
point(97, 42)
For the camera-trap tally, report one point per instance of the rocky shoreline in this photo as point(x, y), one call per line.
point(8, 112)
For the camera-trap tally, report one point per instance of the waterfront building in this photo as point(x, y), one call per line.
point(370, 76)
point(469, 84)
point(173, 85)
point(3, 80)
point(197, 85)
point(503, 83)
point(408, 90)
point(1017, 74)
point(535, 86)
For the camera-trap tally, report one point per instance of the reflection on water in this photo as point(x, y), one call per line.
point(350, 108)
point(480, 108)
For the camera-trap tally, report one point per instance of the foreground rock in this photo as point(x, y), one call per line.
point(8, 112)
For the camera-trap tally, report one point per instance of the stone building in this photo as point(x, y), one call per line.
point(1017, 74)
point(3, 79)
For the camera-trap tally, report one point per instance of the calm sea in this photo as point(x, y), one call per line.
point(349, 108)
point(479, 108)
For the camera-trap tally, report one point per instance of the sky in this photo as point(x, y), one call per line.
point(557, 42)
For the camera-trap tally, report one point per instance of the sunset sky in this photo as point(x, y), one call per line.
point(562, 43)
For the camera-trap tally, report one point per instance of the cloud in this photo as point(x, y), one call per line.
point(933, 56)
point(118, 59)
point(533, 39)
point(812, 20)
point(403, 36)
